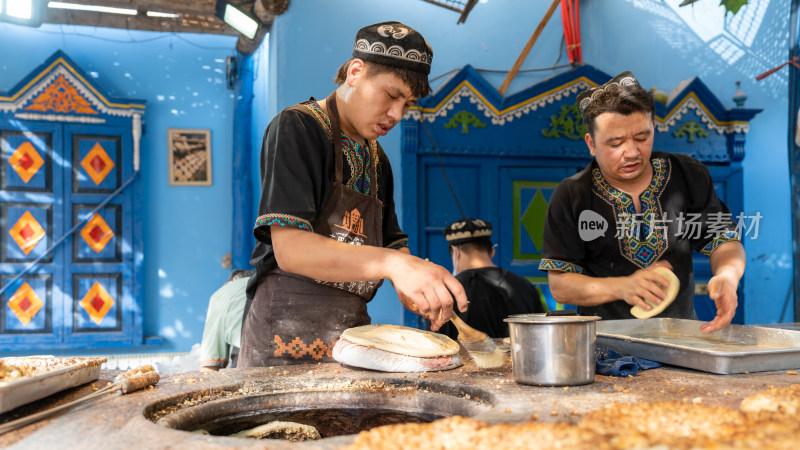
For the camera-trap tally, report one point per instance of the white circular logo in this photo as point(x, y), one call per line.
point(591, 225)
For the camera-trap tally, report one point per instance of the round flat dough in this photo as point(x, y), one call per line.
point(672, 293)
point(402, 340)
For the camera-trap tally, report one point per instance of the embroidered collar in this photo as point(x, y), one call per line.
point(361, 161)
point(642, 237)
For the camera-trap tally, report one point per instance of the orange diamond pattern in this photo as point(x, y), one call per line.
point(27, 232)
point(26, 161)
point(97, 233)
point(97, 163)
point(97, 302)
point(25, 303)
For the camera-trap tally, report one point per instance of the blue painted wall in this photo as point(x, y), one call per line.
point(187, 229)
point(182, 77)
point(661, 43)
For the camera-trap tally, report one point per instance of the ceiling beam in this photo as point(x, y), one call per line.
point(186, 23)
point(196, 16)
point(199, 7)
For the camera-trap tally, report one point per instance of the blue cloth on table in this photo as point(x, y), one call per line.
point(613, 363)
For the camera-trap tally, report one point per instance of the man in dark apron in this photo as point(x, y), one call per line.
point(327, 230)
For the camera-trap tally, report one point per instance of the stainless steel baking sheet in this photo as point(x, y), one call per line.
point(28, 389)
point(734, 349)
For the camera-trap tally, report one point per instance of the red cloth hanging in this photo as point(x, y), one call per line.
point(793, 61)
point(571, 20)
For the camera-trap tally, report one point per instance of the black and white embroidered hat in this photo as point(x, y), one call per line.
point(622, 80)
point(394, 44)
point(467, 230)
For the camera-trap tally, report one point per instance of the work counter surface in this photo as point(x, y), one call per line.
point(120, 421)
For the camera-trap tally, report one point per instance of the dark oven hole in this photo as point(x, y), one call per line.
point(332, 412)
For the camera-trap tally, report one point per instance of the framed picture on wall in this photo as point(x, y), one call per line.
point(189, 157)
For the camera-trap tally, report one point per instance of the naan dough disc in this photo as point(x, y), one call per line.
point(402, 340)
point(672, 293)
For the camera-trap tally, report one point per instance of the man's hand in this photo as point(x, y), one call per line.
point(727, 265)
point(722, 290)
point(644, 284)
point(420, 284)
point(426, 288)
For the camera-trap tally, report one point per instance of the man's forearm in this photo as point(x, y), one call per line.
point(321, 258)
point(729, 258)
point(582, 290)
point(421, 285)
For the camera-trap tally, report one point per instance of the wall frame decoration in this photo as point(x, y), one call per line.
point(189, 157)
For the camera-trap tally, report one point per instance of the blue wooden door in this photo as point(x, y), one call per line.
point(525, 192)
point(31, 218)
point(98, 256)
point(81, 293)
point(70, 213)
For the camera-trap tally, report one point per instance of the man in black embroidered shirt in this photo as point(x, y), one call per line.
point(493, 293)
point(327, 230)
point(632, 209)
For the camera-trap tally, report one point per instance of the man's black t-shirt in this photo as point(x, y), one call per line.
point(494, 293)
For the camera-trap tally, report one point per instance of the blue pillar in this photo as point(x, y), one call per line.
point(794, 149)
point(242, 240)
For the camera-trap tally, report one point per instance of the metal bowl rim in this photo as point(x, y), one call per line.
point(542, 319)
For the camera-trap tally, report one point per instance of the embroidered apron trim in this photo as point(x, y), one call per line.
point(284, 220)
point(646, 251)
point(296, 348)
point(561, 266)
point(359, 160)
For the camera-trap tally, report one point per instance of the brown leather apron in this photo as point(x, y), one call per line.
point(294, 319)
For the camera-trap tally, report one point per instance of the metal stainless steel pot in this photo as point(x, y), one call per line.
point(552, 350)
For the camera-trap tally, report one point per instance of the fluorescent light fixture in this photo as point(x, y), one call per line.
point(94, 8)
point(21, 12)
point(238, 19)
point(162, 14)
point(21, 9)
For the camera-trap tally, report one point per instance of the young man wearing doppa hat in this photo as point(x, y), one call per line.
point(493, 292)
point(327, 230)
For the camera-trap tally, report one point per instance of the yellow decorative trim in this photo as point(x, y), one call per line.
point(498, 117)
point(693, 96)
point(75, 73)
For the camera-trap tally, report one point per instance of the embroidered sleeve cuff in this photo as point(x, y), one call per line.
point(400, 243)
point(283, 220)
point(559, 266)
point(719, 240)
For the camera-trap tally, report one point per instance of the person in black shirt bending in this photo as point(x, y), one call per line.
point(493, 293)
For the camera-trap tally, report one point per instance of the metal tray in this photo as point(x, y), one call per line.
point(28, 389)
point(734, 349)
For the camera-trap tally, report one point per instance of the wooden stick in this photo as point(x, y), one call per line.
point(513, 72)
